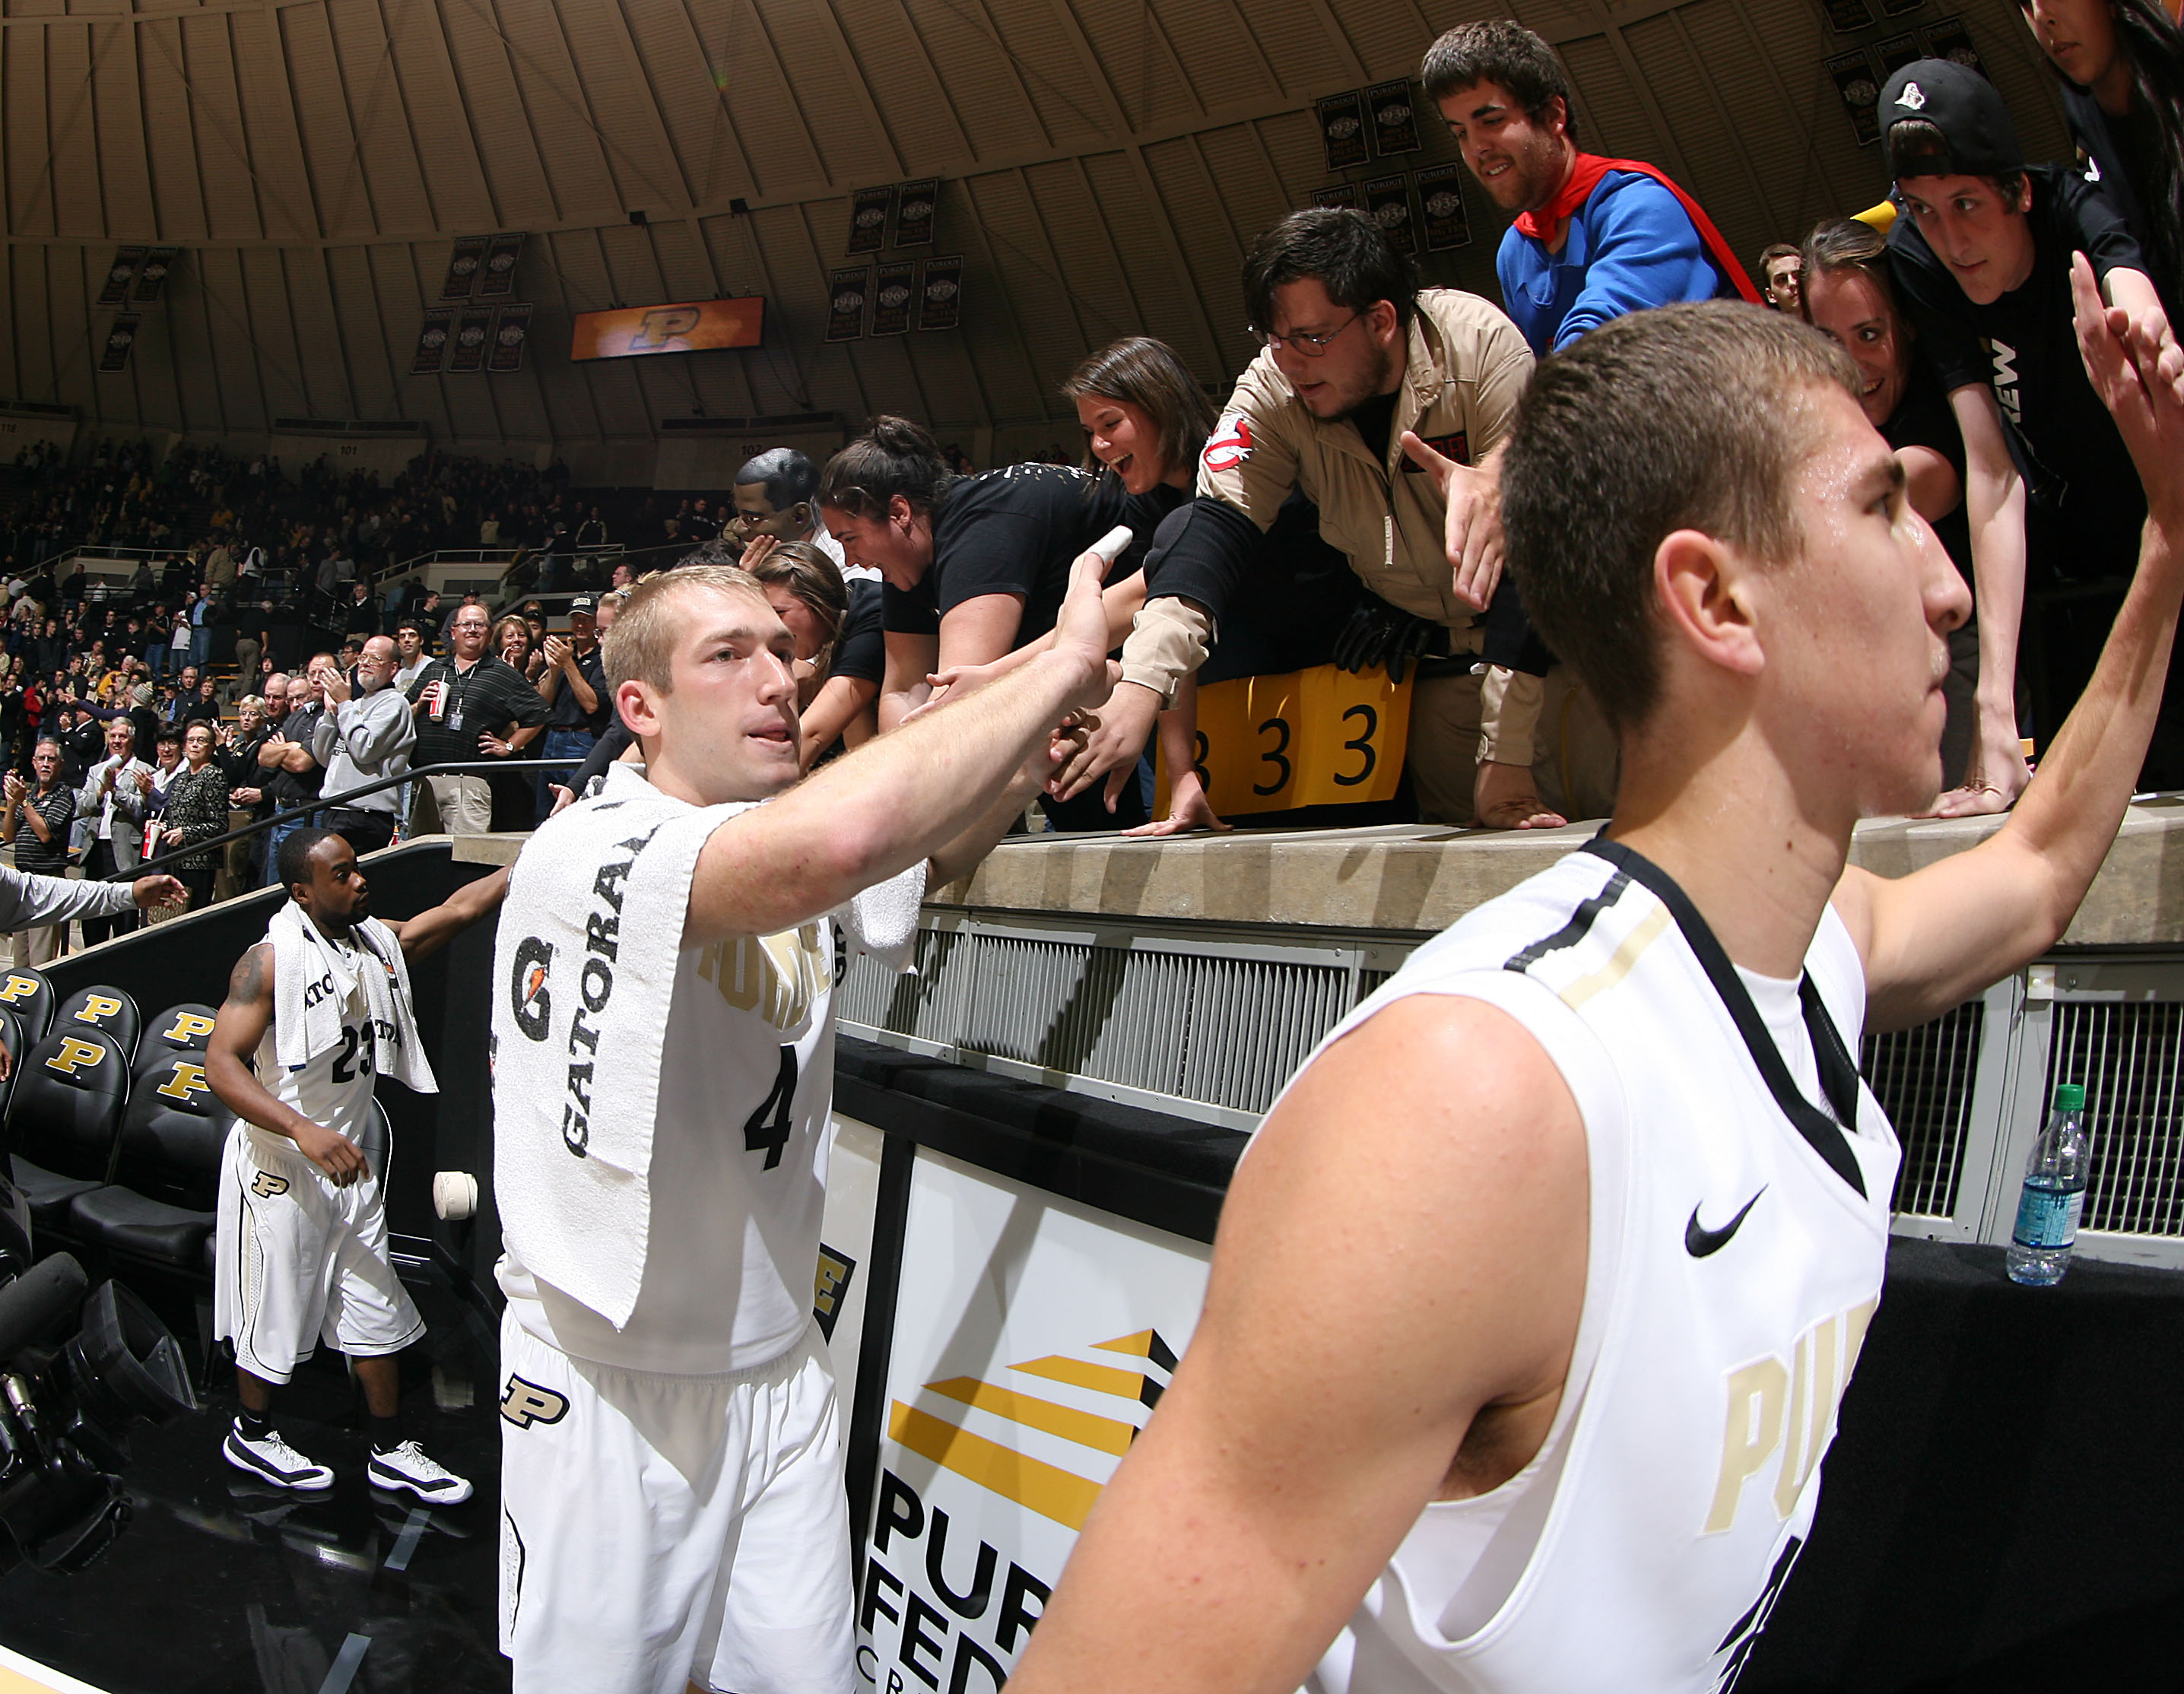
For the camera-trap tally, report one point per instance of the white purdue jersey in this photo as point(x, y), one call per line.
point(744, 1031)
point(1737, 1244)
point(333, 1089)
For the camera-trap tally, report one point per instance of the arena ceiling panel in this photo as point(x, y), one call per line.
point(1102, 165)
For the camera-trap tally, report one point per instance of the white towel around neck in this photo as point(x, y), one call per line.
point(307, 1023)
point(584, 969)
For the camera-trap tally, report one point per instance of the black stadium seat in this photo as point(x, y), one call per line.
point(161, 1205)
point(110, 1009)
point(64, 1116)
point(183, 1029)
point(30, 996)
point(19, 1044)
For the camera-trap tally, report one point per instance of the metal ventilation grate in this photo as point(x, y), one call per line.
point(1201, 1026)
point(2129, 1057)
point(1923, 1080)
point(1369, 981)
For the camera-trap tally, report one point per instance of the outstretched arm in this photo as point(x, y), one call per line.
point(902, 796)
point(1931, 938)
point(428, 931)
point(244, 1017)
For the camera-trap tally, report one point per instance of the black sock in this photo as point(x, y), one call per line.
point(255, 1425)
point(385, 1433)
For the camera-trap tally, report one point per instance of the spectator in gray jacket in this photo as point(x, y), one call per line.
point(365, 734)
point(116, 798)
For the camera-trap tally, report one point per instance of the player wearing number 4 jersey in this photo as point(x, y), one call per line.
point(672, 1496)
point(1525, 1385)
point(313, 1014)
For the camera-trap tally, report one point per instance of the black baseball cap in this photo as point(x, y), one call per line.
point(586, 605)
point(1968, 111)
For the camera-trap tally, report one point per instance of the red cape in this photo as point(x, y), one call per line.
point(1547, 224)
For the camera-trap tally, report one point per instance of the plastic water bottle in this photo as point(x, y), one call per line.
point(2055, 1194)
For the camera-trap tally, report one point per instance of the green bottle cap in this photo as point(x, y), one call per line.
point(2069, 1096)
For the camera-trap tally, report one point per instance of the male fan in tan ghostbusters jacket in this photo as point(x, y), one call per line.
point(1324, 410)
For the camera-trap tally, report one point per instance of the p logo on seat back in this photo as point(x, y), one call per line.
point(76, 1055)
point(96, 1009)
point(189, 1030)
point(185, 1081)
point(19, 988)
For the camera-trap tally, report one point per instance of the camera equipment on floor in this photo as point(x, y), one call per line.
point(76, 1370)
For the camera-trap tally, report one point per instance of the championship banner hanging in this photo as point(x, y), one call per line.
point(1898, 51)
point(1949, 39)
point(1395, 120)
point(1342, 130)
point(891, 301)
point(463, 266)
point(845, 303)
point(869, 220)
point(125, 261)
point(1852, 73)
point(432, 341)
point(118, 340)
point(940, 301)
point(1848, 17)
point(511, 329)
point(152, 280)
point(914, 213)
point(1440, 193)
point(473, 329)
point(1388, 203)
point(1341, 194)
point(1321, 737)
point(500, 257)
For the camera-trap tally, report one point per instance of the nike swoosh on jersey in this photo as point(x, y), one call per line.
point(1701, 1242)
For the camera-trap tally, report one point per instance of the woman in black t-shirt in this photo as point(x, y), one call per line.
point(1846, 295)
point(975, 567)
point(2121, 62)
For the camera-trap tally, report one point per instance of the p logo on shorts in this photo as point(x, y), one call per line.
point(526, 1403)
point(266, 1184)
point(75, 1054)
point(188, 1026)
point(97, 1008)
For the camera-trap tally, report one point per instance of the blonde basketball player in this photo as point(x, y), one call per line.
point(1534, 1300)
point(672, 1497)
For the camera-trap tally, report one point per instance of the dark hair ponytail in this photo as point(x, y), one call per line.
point(894, 456)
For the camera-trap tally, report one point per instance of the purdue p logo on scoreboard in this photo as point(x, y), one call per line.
point(525, 1403)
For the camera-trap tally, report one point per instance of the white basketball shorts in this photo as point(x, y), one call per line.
point(657, 1531)
point(299, 1261)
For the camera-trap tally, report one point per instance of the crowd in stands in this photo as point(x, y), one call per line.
point(1340, 507)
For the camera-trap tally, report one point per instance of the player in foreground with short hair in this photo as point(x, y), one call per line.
point(1525, 1384)
point(322, 1006)
point(672, 1495)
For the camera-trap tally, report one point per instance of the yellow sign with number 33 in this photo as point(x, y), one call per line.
point(1321, 737)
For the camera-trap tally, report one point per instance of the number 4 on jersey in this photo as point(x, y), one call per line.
point(772, 1137)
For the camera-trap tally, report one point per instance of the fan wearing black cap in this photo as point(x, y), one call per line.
point(1983, 266)
point(573, 686)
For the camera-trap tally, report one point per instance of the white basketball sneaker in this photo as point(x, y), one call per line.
point(271, 1459)
point(409, 1466)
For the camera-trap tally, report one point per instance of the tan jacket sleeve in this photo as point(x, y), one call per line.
point(1509, 706)
point(1169, 641)
point(1504, 366)
point(1249, 459)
